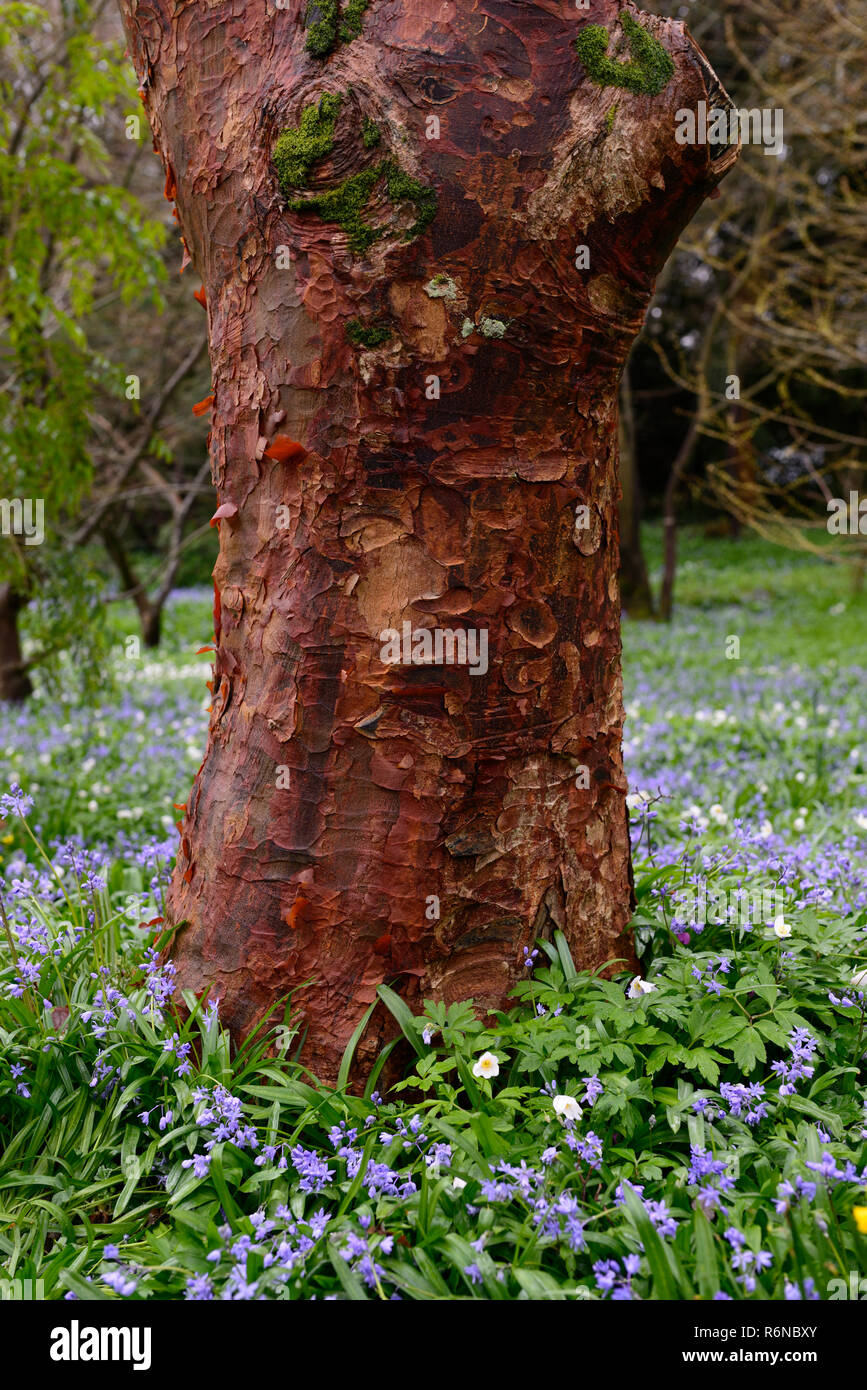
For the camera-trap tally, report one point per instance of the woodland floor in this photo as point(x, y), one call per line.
point(705, 1138)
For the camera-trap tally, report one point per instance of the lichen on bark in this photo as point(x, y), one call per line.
point(648, 71)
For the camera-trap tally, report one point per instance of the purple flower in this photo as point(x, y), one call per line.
point(119, 1280)
point(593, 1089)
point(15, 802)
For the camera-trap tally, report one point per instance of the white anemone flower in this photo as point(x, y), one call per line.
point(859, 980)
point(639, 987)
point(782, 928)
point(486, 1066)
point(567, 1108)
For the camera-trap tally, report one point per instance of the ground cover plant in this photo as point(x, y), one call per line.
point(697, 1132)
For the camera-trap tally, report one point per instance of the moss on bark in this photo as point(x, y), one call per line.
point(298, 149)
point(369, 337)
point(352, 19)
point(320, 21)
point(344, 205)
point(647, 73)
point(369, 133)
point(325, 24)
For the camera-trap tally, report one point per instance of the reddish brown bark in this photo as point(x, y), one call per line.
point(408, 783)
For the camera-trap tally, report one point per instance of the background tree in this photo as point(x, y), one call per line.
point(766, 285)
point(68, 231)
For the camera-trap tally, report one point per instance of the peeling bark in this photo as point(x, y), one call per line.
point(406, 783)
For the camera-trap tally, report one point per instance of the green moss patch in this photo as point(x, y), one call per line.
point(369, 133)
point(402, 188)
point(647, 73)
point(369, 337)
point(352, 19)
point(320, 21)
point(325, 24)
point(344, 205)
point(298, 149)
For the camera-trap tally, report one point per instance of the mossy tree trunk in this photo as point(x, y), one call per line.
point(414, 422)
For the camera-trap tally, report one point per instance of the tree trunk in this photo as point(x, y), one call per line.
point(150, 611)
point(15, 686)
point(635, 592)
point(151, 624)
point(414, 422)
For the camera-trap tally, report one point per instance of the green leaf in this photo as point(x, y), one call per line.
point(405, 1017)
point(349, 1052)
point(703, 1061)
point(706, 1271)
point(747, 1048)
point(565, 956)
point(658, 1257)
point(540, 1285)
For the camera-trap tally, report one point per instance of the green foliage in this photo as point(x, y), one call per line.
point(69, 235)
point(69, 627)
point(648, 71)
